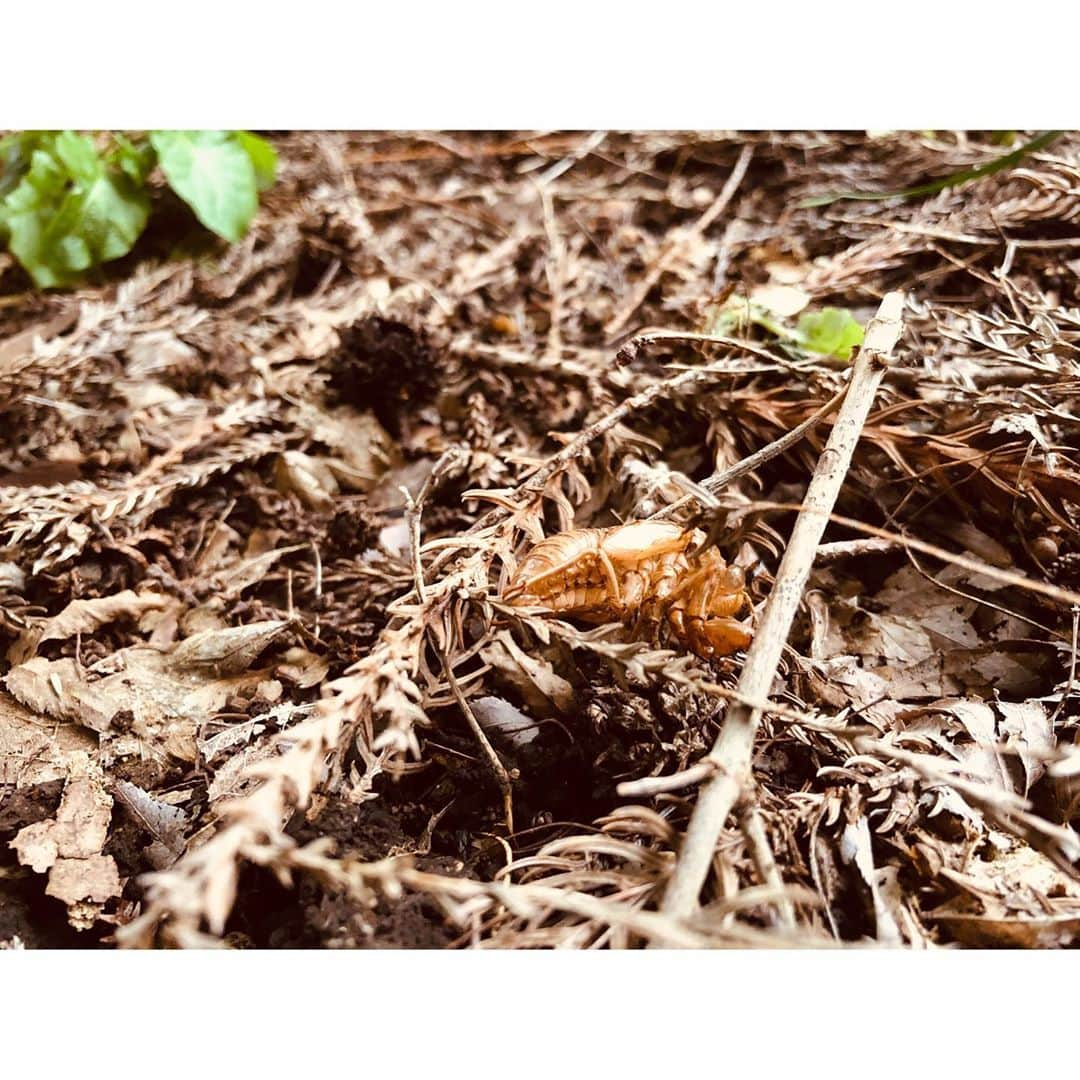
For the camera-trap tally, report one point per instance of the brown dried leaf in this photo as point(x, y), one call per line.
point(83, 617)
point(308, 477)
point(161, 820)
point(35, 751)
point(363, 449)
point(1029, 732)
point(69, 846)
point(57, 688)
point(1019, 932)
point(302, 667)
point(535, 680)
point(94, 878)
point(228, 651)
point(232, 581)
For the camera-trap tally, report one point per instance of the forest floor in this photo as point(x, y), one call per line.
point(259, 506)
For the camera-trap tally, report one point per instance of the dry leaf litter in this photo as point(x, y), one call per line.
point(259, 505)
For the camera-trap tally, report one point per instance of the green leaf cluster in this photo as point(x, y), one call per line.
point(829, 332)
point(69, 202)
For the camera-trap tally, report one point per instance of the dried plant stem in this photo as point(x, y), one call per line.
point(446, 464)
point(718, 481)
point(846, 549)
point(764, 861)
point(672, 252)
point(556, 271)
point(656, 785)
point(734, 745)
point(1007, 577)
point(502, 777)
point(450, 460)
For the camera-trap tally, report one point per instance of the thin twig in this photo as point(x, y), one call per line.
point(764, 861)
point(719, 481)
point(735, 743)
point(655, 785)
point(1006, 577)
point(554, 267)
point(656, 271)
point(846, 549)
point(1072, 673)
point(414, 507)
point(502, 777)
point(447, 463)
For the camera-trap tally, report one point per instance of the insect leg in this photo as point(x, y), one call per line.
point(633, 594)
point(663, 575)
point(721, 636)
point(609, 572)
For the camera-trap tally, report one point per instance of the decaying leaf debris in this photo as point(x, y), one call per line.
point(258, 510)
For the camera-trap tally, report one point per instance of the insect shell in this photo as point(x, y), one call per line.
point(639, 574)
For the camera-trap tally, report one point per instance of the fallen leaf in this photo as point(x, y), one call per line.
point(232, 581)
point(162, 821)
point(534, 679)
point(34, 750)
point(83, 617)
point(495, 714)
point(1029, 733)
point(57, 688)
point(94, 878)
point(308, 477)
point(362, 447)
point(782, 300)
point(303, 668)
point(228, 651)
point(68, 847)
point(1018, 932)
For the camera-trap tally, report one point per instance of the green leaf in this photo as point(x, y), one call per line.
point(79, 156)
point(69, 212)
point(135, 159)
point(15, 153)
point(831, 332)
point(213, 173)
point(263, 158)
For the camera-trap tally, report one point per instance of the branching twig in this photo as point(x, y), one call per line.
point(735, 743)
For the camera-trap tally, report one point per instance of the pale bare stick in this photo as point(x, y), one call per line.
point(734, 746)
point(673, 250)
point(555, 268)
point(864, 545)
point(655, 785)
point(764, 861)
point(450, 460)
